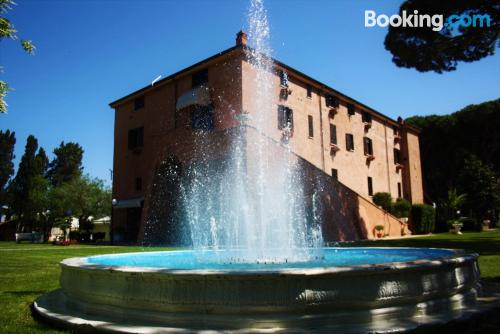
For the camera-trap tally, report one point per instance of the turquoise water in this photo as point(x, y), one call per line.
point(232, 260)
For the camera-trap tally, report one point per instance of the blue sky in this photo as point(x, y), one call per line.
point(90, 53)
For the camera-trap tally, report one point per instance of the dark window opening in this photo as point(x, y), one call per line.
point(367, 118)
point(333, 134)
point(202, 118)
point(139, 103)
point(199, 78)
point(351, 111)
point(332, 101)
point(135, 138)
point(370, 186)
point(283, 78)
point(335, 174)
point(311, 127)
point(309, 91)
point(349, 142)
point(138, 183)
point(397, 156)
point(399, 190)
point(285, 118)
point(395, 130)
point(368, 146)
point(284, 94)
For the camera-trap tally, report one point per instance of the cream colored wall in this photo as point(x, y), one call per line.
point(352, 167)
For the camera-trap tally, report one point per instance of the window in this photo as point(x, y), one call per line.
point(332, 101)
point(309, 91)
point(285, 118)
point(199, 78)
point(370, 186)
point(349, 142)
point(395, 129)
point(138, 183)
point(202, 118)
point(311, 128)
point(139, 103)
point(283, 78)
point(367, 118)
point(397, 156)
point(333, 134)
point(350, 110)
point(399, 190)
point(335, 174)
point(367, 146)
point(135, 138)
point(284, 94)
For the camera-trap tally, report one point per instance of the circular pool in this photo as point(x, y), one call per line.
point(337, 288)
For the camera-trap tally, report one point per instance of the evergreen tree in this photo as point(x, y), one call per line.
point(426, 49)
point(66, 165)
point(7, 142)
point(29, 187)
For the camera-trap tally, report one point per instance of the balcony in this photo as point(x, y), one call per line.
point(367, 125)
point(334, 149)
point(332, 113)
point(370, 158)
point(397, 138)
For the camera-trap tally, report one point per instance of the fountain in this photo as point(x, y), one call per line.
point(257, 263)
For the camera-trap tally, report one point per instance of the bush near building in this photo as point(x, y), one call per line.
point(423, 218)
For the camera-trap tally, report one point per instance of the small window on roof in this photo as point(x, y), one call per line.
point(199, 78)
point(139, 103)
point(332, 101)
point(351, 111)
point(309, 91)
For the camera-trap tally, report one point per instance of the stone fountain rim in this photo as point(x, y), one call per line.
point(459, 256)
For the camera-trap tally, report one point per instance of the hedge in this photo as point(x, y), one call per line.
point(423, 218)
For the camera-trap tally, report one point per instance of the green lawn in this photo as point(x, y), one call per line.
point(29, 270)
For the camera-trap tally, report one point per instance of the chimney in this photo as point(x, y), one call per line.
point(241, 38)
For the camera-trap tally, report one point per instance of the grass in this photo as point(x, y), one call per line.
point(29, 270)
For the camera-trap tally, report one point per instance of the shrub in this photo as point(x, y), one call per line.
point(74, 235)
point(470, 224)
point(98, 236)
point(384, 200)
point(423, 218)
point(401, 208)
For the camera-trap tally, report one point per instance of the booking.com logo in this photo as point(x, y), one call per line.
point(416, 20)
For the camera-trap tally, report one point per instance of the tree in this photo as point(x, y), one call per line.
point(7, 31)
point(83, 197)
point(7, 142)
point(482, 187)
point(383, 200)
point(426, 50)
point(67, 164)
point(29, 188)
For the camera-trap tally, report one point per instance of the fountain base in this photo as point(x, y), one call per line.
point(357, 298)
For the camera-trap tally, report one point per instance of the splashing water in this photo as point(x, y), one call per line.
point(252, 204)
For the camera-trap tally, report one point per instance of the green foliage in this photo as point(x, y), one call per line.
point(67, 163)
point(384, 200)
point(401, 208)
point(422, 218)
point(29, 188)
point(84, 198)
point(483, 188)
point(427, 50)
point(7, 31)
point(7, 142)
point(447, 142)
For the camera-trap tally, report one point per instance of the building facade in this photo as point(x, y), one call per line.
point(357, 147)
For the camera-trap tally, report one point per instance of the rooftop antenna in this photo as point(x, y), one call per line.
point(155, 80)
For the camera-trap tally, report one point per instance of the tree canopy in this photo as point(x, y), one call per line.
point(67, 163)
point(425, 50)
point(7, 31)
point(462, 151)
point(7, 143)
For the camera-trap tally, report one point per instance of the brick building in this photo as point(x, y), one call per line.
point(354, 149)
